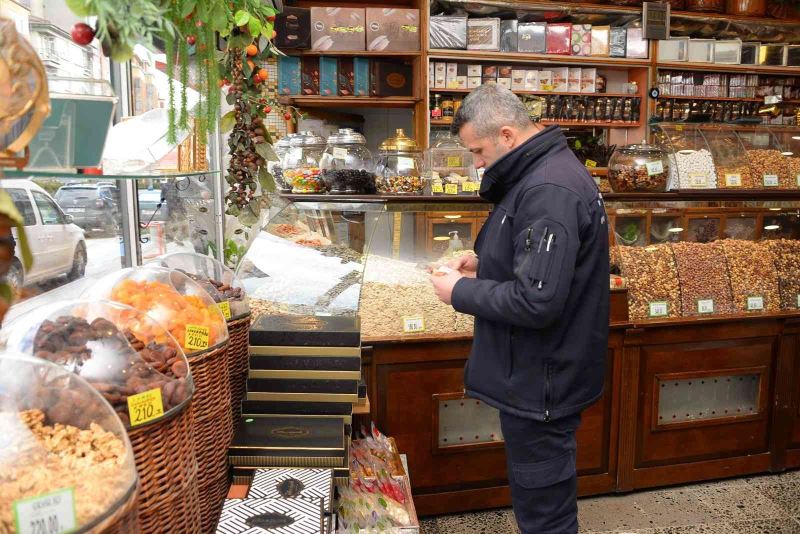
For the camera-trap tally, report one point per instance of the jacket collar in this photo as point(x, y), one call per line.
point(512, 167)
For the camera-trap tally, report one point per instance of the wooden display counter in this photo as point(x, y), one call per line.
point(685, 400)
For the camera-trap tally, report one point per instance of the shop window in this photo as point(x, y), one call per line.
point(23, 203)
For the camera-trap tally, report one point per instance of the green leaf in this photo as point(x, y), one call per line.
point(247, 216)
point(188, 7)
point(267, 29)
point(239, 41)
point(230, 98)
point(255, 26)
point(266, 151)
point(227, 122)
point(8, 209)
point(241, 17)
point(246, 69)
point(79, 7)
point(266, 180)
point(269, 11)
point(219, 19)
point(233, 210)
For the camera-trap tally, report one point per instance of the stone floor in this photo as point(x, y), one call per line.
point(758, 505)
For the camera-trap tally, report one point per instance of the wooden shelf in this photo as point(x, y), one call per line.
point(316, 101)
point(721, 99)
point(541, 93)
point(526, 57)
point(708, 194)
point(750, 69)
point(625, 125)
point(358, 53)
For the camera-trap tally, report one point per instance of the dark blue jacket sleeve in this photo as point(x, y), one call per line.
point(546, 245)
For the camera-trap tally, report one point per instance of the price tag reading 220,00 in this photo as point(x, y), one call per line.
point(413, 325)
point(145, 406)
point(196, 337)
point(52, 513)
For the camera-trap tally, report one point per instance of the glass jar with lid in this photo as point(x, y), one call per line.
point(61, 440)
point(399, 169)
point(641, 167)
point(347, 164)
point(301, 163)
point(449, 168)
point(276, 167)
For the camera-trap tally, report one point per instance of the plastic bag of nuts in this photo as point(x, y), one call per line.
point(653, 289)
point(703, 277)
point(787, 262)
point(118, 350)
point(754, 280)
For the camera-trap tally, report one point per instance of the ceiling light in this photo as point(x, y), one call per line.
point(452, 216)
point(772, 227)
point(675, 230)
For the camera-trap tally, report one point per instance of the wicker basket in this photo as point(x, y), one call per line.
point(238, 362)
point(213, 428)
point(211, 509)
point(165, 459)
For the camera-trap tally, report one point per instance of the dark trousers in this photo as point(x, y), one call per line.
point(541, 471)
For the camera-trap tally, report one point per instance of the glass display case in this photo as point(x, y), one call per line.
point(639, 168)
point(120, 351)
point(400, 166)
point(347, 164)
point(66, 463)
point(449, 169)
point(691, 161)
point(769, 166)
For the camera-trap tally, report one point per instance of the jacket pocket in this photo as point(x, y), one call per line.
point(546, 473)
point(540, 254)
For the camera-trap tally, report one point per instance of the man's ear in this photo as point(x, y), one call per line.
point(508, 136)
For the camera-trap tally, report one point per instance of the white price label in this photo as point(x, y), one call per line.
point(771, 180)
point(755, 303)
point(659, 309)
point(705, 306)
point(413, 325)
point(339, 153)
point(698, 180)
point(733, 180)
point(798, 300)
point(405, 164)
point(52, 513)
point(654, 167)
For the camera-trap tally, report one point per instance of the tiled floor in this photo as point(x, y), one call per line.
point(759, 505)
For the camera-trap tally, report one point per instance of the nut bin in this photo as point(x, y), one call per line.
point(399, 169)
point(730, 159)
point(754, 281)
point(703, 277)
point(641, 167)
point(653, 288)
point(276, 167)
point(61, 437)
point(768, 166)
point(787, 263)
point(347, 164)
point(692, 162)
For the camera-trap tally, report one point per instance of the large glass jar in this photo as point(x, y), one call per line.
point(347, 164)
point(301, 163)
point(276, 167)
point(118, 350)
point(218, 281)
point(64, 452)
point(641, 167)
point(449, 168)
point(399, 169)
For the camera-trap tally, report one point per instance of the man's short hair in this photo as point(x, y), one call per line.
point(488, 108)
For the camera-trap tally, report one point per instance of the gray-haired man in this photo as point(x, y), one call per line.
point(539, 293)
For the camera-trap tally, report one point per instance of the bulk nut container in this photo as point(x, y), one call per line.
point(638, 168)
point(300, 165)
point(400, 166)
point(449, 168)
point(690, 157)
point(767, 159)
point(65, 455)
point(347, 164)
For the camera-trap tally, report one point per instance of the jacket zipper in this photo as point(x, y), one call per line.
point(547, 391)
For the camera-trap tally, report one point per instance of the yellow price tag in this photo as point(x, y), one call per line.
point(469, 187)
point(225, 308)
point(453, 161)
point(451, 189)
point(196, 337)
point(591, 163)
point(145, 407)
point(437, 188)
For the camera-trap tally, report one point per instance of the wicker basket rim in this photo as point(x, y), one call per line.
point(205, 352)
point(118, 507)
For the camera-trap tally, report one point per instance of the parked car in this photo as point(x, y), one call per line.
point(58, 246)
point(94, 207)
point(148, 206)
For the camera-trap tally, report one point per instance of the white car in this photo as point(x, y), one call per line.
point(58, 246)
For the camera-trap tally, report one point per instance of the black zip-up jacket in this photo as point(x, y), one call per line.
point(540, 299)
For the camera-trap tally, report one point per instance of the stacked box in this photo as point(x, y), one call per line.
point(483, 34)
point(361, 76)
point(532, 37)
point(448, 32)
point(559, 38)
point(250, 516)
point(293, 484)
point(600, 38)
point(574, 83)
point(289, 75)
point(328, 76)
point(508, 35)
point(581, 39)
point(617, 42)
point(293, 28)
point(392, 29)
point(338, 29)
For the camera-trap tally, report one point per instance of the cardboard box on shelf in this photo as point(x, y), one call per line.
point(328, 76)
point(452, 76)
point(600, 38)
point(518, 80)
point(581, 39)
point(531, 80)
point(588, 80)
point(346, 73)
point(532, 37)
point(559, 38)
point(289, 75)
point(474, 70)
point(483, 34)
point(461, 78)
point(561, 79)
point(440, 81)
point(361, 76)
point(338, 29)
point(293, 28)
point(391, 78)
point(636, 46)
point(474, 81)
point(392, 29)
point(545, 80)
point(508, 35)
point(574, 84)
point(617, 42)
point(448, 32)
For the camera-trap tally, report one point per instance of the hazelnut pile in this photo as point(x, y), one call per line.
point(751, 267)
point(703, 275)
point(787, 262)
point(652, 277)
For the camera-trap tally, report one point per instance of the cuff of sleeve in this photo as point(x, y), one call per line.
point(462, 295)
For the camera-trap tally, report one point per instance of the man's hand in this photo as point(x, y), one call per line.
point(443, 285)
point(467, 265)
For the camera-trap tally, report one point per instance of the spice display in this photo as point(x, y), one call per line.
point(640, 167)
point(41, 457)
point(220, 291)
point(695, 169)
point(653, 288)
point(787, 263)
point(753, 277)
point(770, 169)
point(347, 180)
point(304, 180)
point(703, 278)
point(735, 177)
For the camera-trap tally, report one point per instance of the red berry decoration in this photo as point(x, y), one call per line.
point(199, 23)
point(190, 40)
point(262, 100)
point(271, 19)
point(287, 116)
point(267, 109)
point(82, 33)
point(256, 78)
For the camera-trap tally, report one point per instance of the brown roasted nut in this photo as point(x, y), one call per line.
point(769, 162)
point(180, 369)
point(787, 263)
point(652, 279)
point(703, 276)
point(752, 274)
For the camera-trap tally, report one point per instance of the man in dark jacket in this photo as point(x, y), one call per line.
point(539, 292)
